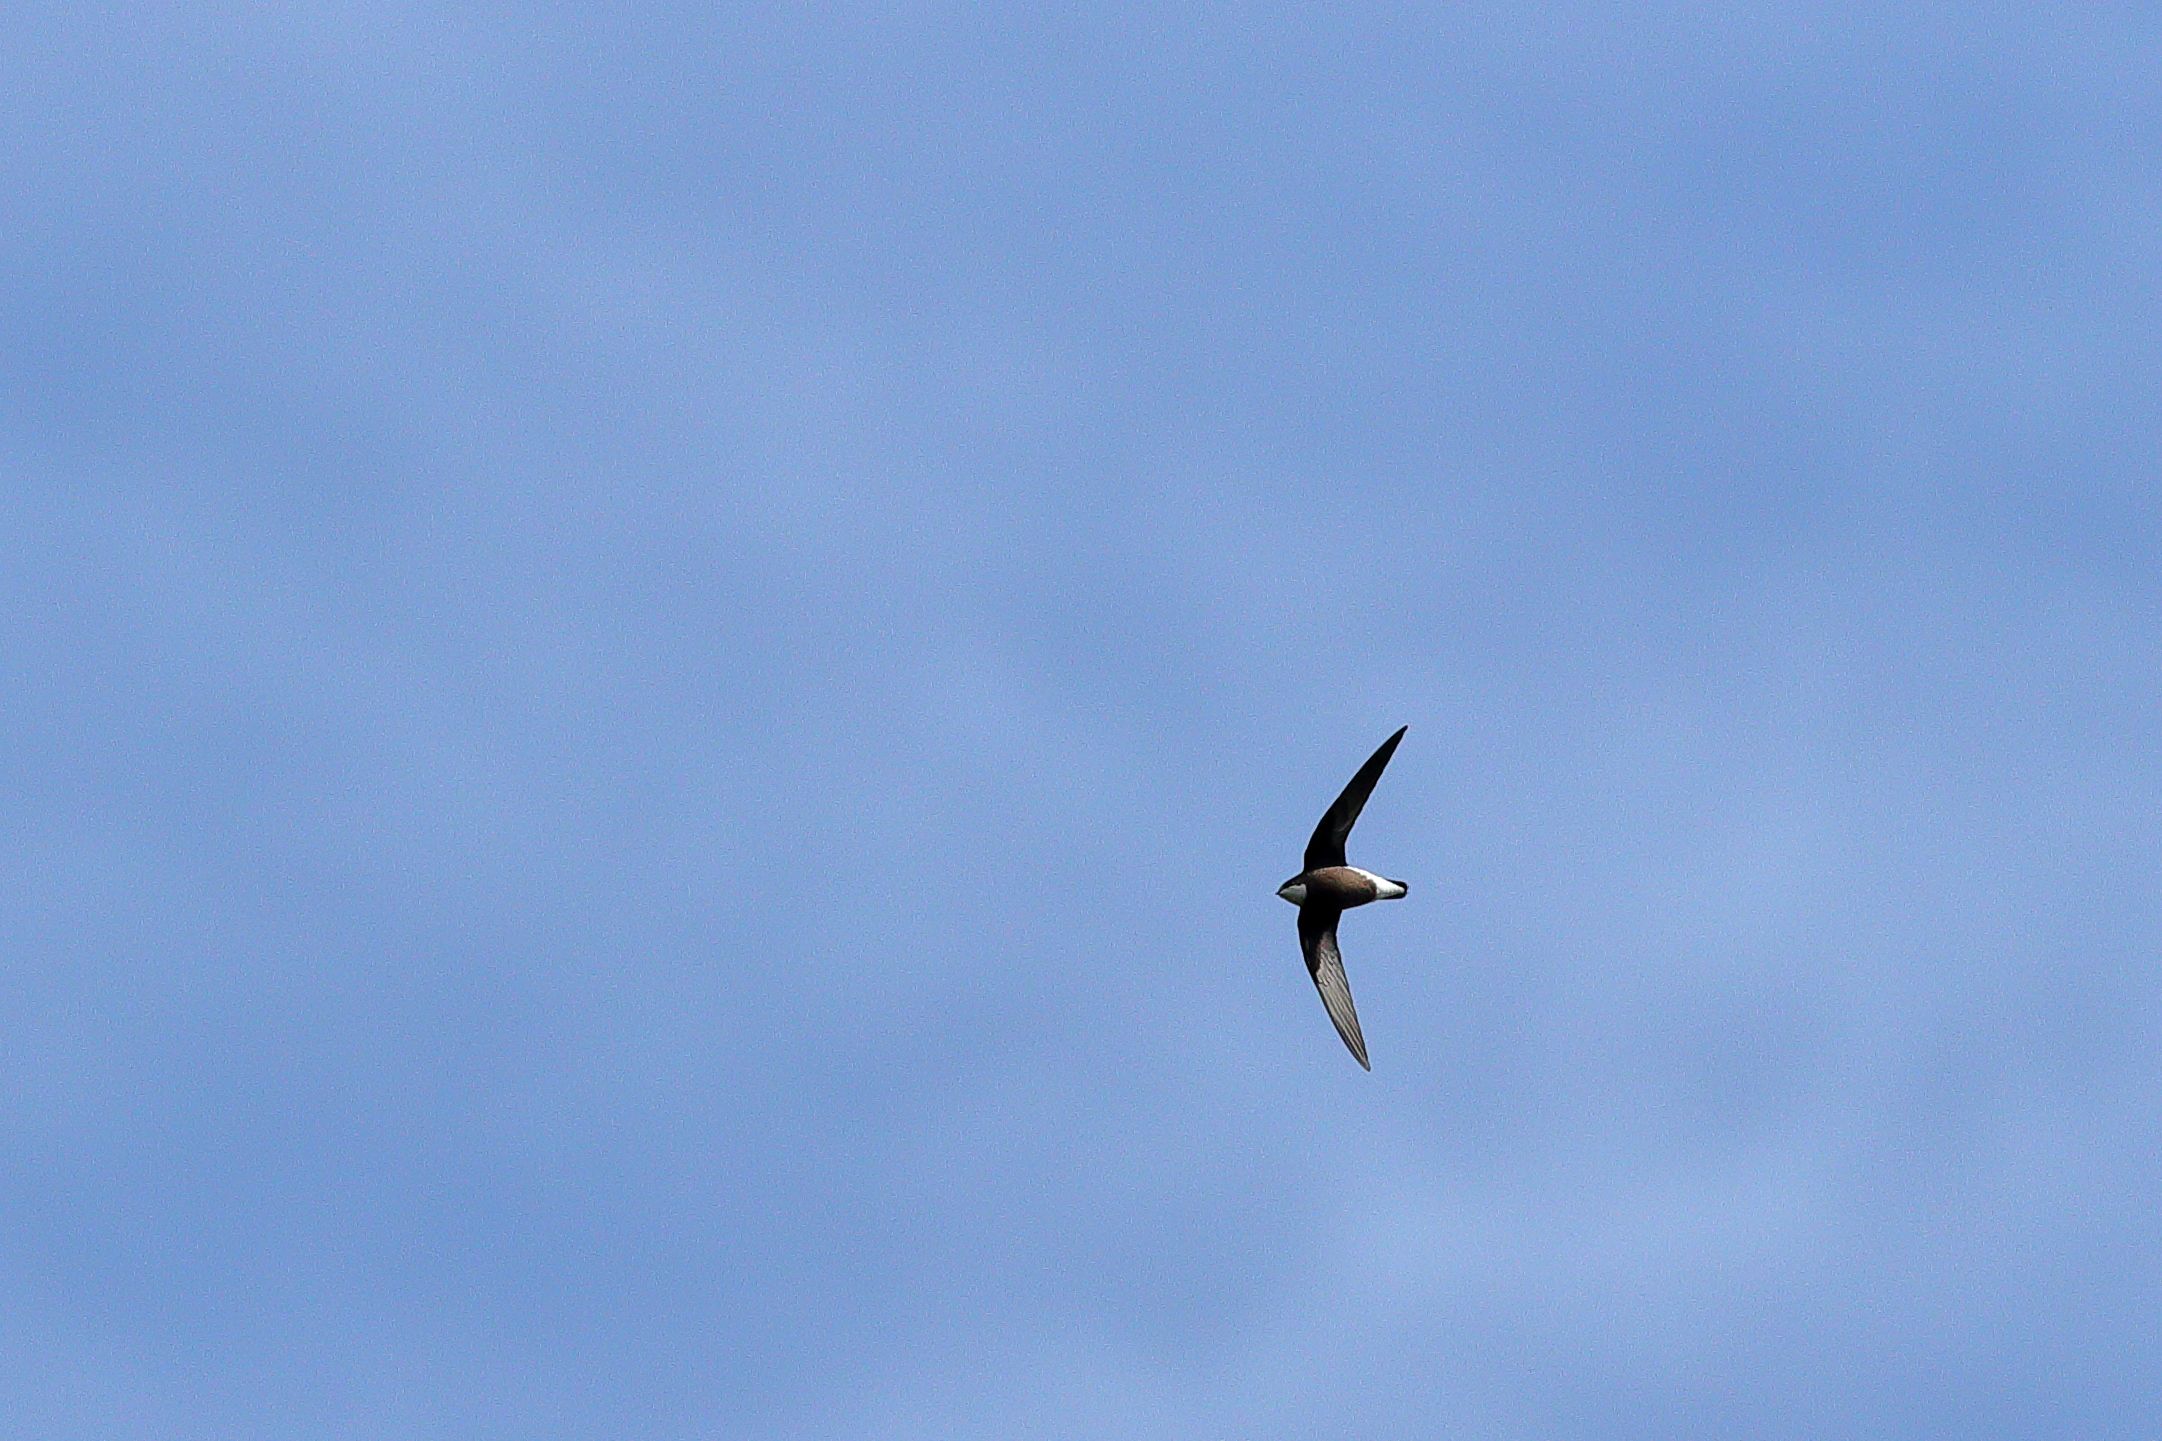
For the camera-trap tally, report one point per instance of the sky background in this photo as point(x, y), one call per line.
point(659, 662)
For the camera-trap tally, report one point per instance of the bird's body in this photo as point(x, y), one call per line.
point(1341, 887)
point(1328, 887)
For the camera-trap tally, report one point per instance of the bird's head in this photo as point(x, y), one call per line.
point(1294, 890)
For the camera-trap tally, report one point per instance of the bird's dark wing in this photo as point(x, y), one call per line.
point(1317, 937)
point(1327, 846)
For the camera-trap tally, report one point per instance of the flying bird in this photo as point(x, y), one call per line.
point(1328, 887)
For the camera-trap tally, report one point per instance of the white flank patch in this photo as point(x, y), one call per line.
point(1384, 888)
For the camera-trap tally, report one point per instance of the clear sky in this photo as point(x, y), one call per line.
point(658, 665)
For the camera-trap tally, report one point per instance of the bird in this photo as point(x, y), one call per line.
point(1327, 888)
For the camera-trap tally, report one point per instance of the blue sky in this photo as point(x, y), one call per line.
point(660, 664)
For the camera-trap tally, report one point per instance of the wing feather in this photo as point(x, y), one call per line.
point(1327, 846)
point(1317, 938)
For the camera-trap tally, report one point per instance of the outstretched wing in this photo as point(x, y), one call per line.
point(1327, 846)
point(1317, 937)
